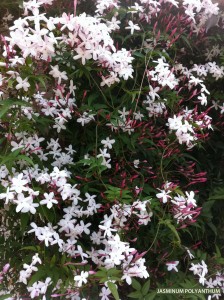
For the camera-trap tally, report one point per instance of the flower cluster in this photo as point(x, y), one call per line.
point(105, 112)
point(188, 126)
point(183, 207)
point(28, 269)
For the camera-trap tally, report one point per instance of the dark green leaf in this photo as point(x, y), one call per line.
point(146, 287)
point(26, 158)
point(136, 285)
point(32, 248)
point(151, 296)
point(112, 287)
point(24, 219)
point(40, 274)
point(136, 295)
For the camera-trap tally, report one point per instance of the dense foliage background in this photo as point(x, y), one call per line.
point(111, 162)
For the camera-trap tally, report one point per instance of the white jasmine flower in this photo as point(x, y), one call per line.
point(22, 84)
point(49, 201)
point(83, 54)
point(82, 278)
point(136, 163)
point(18, 184)
point(105, 292)
point(108, 143)
point(25, 204)
point(164, 195)
point(172, 265)
point(8, 196)
point(203, 99)
point(132, 27)
point(107, 227)
point(56, 73)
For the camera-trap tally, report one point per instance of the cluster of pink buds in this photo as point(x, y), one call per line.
point(184, 208)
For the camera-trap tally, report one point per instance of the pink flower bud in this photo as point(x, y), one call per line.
point(6, 268)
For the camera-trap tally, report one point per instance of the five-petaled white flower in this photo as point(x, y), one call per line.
point(82, 278)
point(132, 27)
point(18, 184)
point(108, 143)
point(107, 227)
point(49, 200)
point(163, 195)
point(83, 54)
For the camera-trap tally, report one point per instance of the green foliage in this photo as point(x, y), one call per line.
point(145, 157)
point(113, 289)
point(117, 194)
point(142, 292)
point(106, 275)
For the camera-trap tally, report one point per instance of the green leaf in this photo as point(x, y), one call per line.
point(113, 272)
point(190, 156)
point(15, 152)
point(91, 98)
point(47, 213)
point(220, 260)
point(115, 193)
point(185, 39)
point(114, 278)
point(218, 251)
point(218, 195)
point(213, 228)
point(178, 191)
point(136, 285)
point(206, 207)
point(113, 288)
point(10, 157)
point(172, 228)
point(146, 287)
point(24, 219)
point(53, 260)
point(32, 248)
point(136, 295)
point(63, 259)
point(38, 78)
point(26, 158)
point(3, 297)
point(138, 54)
point(151, 296)
point(101, 274)
point(40, 274)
